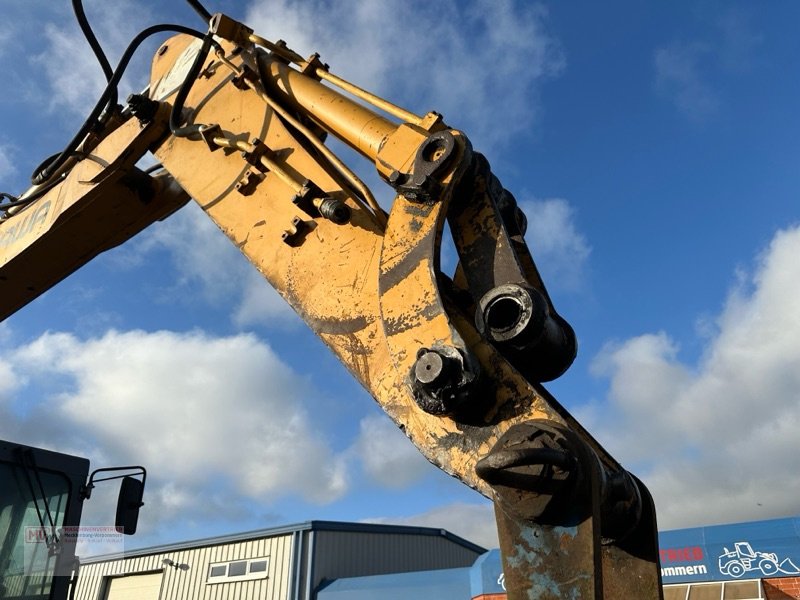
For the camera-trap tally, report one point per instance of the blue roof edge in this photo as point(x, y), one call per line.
point(314, 525)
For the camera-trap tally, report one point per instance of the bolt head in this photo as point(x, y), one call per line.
point(429, 368)
point(442, 379)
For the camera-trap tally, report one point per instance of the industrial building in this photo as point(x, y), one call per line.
point(740, 561)
point(285, 563)
point(322, 560)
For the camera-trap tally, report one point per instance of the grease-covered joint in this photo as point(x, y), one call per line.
point(533, 468)
point(542, 471)
point(517, 319)
point(442, 379)
point(512, 313)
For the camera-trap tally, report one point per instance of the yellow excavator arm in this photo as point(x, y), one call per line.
point(239, 125)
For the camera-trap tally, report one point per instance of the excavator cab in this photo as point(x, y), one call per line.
point(41, 501)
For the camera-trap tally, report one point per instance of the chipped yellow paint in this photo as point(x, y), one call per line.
point(331, 276)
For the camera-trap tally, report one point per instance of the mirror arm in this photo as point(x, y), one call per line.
point(86, 489)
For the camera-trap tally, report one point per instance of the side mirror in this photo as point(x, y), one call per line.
point(128, 504)
point(131, 491)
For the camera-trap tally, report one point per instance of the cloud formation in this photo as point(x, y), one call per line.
point(7, 168)
point(466, 60)
point(73, 75)
point(209, 265)
point(715, 441)
point(558, 247)
point(680, 76)
point(388, 457)
point(688, 71)
point(473, 522)
point(198, 411)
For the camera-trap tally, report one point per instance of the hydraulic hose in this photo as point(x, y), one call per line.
point(80, 15)
point(43, 174)
point(175, 118)
point(200, 10)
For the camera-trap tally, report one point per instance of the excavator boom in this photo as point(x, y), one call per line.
point(239, 124)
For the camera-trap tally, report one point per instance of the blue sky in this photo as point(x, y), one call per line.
point(655, 149)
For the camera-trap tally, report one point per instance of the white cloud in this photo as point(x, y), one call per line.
point(204, 258)
point(739, 40)
point(260, 304)
point(208, 262)
point(388, 456)
point(680, 77)
point(688, 71)
point(473, 522)
point(465, 60)
point(9, 382)
point(715, 441)
point(198, 411)
point(69, 66)
point(6, 39)
point(559, 249)
point(7, 168)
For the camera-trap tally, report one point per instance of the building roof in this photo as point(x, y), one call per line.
point(340, 526)
point(442, 584)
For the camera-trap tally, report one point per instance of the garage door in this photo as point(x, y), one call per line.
point(135, 587)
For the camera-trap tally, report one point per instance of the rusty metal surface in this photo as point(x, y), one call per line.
point(549, 562)
point(559, 511)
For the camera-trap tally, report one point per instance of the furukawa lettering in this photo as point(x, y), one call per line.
point(23, 224)
point(687, 554)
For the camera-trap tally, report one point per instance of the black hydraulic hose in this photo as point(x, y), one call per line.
point(44, 173)
point(14, 201)
point(175, 117)
point(200, 10)
point(80, 15)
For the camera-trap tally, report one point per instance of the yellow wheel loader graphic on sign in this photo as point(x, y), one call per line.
point(743, 559)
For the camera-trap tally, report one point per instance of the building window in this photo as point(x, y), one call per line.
point(218, 571)
point(675, 592)
point(728, 590)
point(238, 570)
point(258, 566)
point(711, 591)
